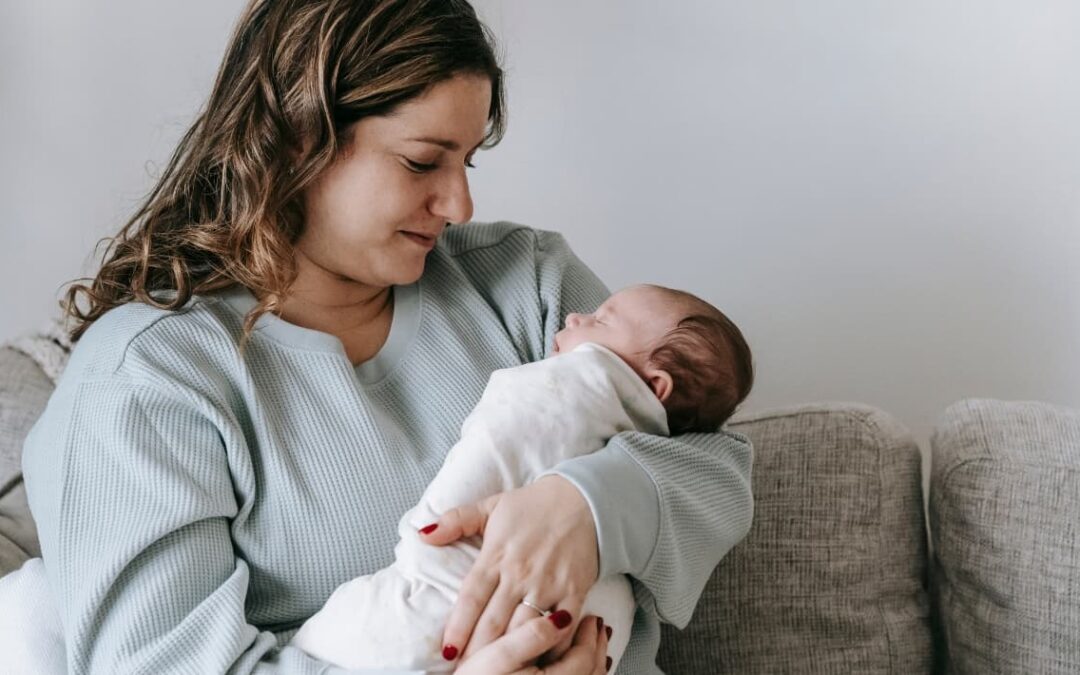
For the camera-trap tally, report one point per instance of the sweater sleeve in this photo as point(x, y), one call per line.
point(132, 493)
point(666, 509)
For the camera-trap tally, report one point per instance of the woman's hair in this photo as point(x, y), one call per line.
point(297, 73)
point(710, 364)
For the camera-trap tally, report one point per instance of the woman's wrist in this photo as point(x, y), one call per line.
point(624, 503)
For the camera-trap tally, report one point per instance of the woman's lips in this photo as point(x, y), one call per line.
point(426, 242)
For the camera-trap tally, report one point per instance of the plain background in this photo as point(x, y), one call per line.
point(885, 196)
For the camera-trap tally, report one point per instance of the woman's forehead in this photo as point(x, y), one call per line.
point(452, 114)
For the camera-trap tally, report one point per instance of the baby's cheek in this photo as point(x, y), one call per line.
point(567, 343)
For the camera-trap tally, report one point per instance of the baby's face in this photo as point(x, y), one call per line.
point(629, 323)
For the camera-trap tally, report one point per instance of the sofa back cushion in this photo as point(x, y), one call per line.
point(24, 389)
point(831, 577)
point(1005, 518)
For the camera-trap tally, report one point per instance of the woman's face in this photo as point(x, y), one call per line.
point(374, 215)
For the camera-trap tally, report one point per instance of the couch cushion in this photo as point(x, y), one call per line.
point(831, 576)
point(24, 389)
point(1005, 517)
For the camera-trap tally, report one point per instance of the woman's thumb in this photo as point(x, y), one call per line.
point(463, 521)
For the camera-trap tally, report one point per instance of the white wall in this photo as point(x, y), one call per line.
point(884, 195)
point(94, 95)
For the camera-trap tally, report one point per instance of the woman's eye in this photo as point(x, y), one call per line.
point(419, 167)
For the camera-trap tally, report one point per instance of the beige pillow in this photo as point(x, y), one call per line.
point(831, 577)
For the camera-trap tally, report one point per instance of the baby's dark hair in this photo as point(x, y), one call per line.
point(710, 365)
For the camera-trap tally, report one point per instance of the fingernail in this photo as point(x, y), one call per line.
point(607, 665)
point(599, 623)
point(561, 618)
point(608, 629)
point(449, 652)
point(428, 529)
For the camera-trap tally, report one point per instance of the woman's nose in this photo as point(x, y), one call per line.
point(453, 202)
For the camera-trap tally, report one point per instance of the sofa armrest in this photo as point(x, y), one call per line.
point(24, 390)
point(1004, 514)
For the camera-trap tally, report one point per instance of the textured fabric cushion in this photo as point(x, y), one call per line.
point(831, 578)
point(24, 389)
point(1005, 517)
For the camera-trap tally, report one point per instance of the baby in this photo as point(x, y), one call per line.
point(649, 359)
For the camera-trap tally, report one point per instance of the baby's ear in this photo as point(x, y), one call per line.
point(661, 383)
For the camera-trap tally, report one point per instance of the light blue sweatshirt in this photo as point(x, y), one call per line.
point(195, 507)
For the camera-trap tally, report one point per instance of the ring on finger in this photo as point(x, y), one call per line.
point(543, 612)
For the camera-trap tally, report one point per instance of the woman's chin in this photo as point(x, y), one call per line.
point(408, 272)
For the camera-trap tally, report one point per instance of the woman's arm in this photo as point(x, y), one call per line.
point(131, 489)
point(666, 509)
point(663, 510)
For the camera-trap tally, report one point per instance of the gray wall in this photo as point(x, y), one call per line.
point(884, 195)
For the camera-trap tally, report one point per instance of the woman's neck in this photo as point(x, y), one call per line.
point(357, 314)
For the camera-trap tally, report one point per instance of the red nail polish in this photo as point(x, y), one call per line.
point(561, 618)
point(608, 629)
point(607, 666)
point(599, 623)
point(428, 529)
point(449, 652)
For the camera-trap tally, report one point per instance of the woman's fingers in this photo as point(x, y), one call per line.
point(574, 606)
point(463, 521)
point(514, 652)
point(602, 662)
point(482, 580)
point(587, 654)
point(476, 591)
point(553, 561)
point(494, 619)
point(523, 613)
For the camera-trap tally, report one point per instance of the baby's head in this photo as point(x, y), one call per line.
point(692, 356)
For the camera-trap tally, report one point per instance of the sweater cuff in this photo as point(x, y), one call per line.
point(625, 505)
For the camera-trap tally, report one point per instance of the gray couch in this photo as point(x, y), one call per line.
point(835, 575)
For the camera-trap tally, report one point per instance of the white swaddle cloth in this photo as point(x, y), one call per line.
point(529, 418)
point(31, 637)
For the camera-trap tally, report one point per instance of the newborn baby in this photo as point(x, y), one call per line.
point(649, 359)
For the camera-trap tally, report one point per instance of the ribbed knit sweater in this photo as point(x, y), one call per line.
point(196, 505)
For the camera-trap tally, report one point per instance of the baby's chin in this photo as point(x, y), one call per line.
point(567, 345)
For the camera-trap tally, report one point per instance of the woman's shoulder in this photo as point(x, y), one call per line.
point(137, 337)
point(500, 253)
point(503, 235)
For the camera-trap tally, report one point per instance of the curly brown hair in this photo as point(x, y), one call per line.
point(296, 75)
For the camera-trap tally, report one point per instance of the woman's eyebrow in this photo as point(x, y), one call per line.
point(446, 143)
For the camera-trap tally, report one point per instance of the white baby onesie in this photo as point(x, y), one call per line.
point(529, 419)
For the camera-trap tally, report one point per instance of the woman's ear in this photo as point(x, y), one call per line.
point(661, 383)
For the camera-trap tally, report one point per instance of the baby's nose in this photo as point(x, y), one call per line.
point(572, 320)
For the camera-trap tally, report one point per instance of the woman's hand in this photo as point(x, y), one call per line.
point(514, 652)
point(539, 545)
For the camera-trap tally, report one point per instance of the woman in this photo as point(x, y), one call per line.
point(282, 344)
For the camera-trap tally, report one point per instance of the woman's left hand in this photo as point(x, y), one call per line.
point(539, 544)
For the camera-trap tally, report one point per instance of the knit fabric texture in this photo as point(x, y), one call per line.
point(1004, 508)
point(195, 505)
point(831, 578)
point(24, 388)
